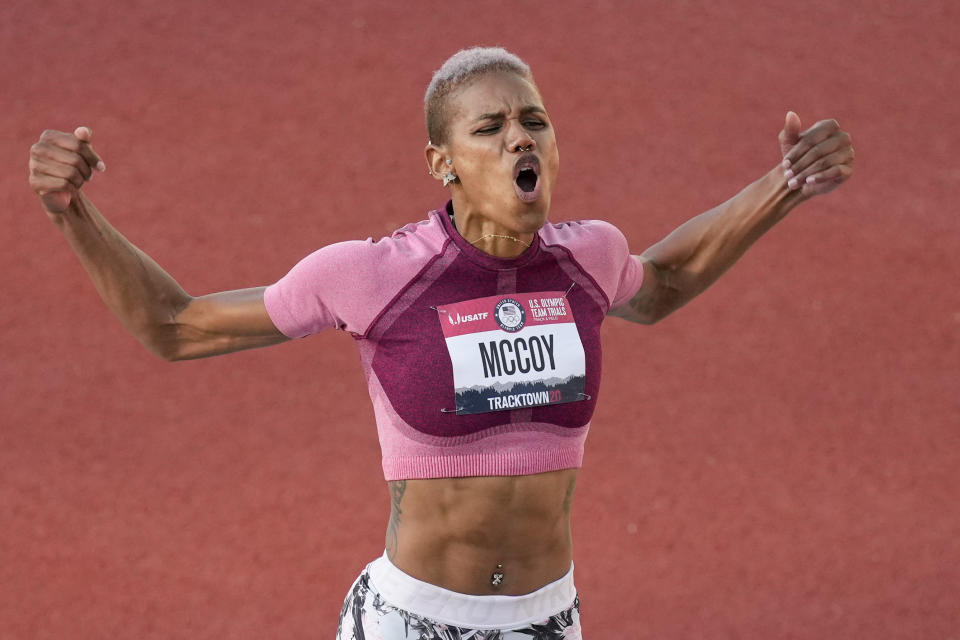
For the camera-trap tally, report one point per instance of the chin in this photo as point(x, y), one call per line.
point(532, 215)
point(541, 205)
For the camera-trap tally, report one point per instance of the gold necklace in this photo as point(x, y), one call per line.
point(497, 235)
point(490, 235)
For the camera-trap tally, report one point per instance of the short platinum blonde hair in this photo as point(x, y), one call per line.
point(461, 68)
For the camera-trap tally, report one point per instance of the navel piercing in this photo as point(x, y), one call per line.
point(497, 577)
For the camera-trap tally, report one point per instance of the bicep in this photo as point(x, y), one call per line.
point(223, 322)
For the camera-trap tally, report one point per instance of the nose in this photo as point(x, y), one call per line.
point(519, 140)
point(519, 148)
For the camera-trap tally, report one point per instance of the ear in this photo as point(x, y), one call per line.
point(436, 164)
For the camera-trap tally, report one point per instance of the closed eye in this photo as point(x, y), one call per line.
point(492, 128)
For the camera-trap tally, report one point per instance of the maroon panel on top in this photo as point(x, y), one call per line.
point(412, 362)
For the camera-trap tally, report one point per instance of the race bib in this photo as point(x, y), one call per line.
point(513, 351)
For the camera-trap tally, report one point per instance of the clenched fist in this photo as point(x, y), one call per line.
point(60, 163)
point(817, 160)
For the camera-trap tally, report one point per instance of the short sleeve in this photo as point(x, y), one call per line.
point(314, 295)
point(347, 284)
point(626, 270)
point(631, 277)
point(600, 248)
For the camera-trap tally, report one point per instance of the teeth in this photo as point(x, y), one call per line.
point(527, 164)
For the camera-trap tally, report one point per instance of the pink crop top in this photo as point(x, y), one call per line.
point(476, 365)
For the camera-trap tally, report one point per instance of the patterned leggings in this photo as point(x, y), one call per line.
point(366, 616)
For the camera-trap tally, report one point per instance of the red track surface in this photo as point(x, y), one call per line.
point(779, 460)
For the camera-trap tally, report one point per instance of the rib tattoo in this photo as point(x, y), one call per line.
point(568, 499)
point(397, 489)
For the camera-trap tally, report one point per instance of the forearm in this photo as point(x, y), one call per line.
point(690, 259)
point(135, 288)
point(698, 252)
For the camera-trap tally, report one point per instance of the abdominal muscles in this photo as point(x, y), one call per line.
point(486, 535)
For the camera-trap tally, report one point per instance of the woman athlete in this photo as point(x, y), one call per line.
point(478, 331)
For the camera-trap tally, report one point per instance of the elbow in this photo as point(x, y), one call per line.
point(164, 349)
point(166, 336)
point(164, 340)
point(168, 355)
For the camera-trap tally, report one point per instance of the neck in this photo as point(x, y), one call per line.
point(490, 237)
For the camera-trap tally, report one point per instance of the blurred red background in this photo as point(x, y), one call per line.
point(780, 459)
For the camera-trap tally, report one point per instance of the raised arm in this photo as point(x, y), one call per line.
point(692, 257)
point(148, 301)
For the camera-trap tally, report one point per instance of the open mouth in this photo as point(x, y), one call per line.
point(527, 180)
point(526, 177)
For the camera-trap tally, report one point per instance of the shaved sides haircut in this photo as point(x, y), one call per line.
point(461, 68)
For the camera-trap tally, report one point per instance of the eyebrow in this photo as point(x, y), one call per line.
point(500, 115)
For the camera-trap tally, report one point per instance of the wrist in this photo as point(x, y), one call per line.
point(780, 197)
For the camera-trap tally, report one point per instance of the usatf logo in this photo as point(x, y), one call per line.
point(471, 317)
point(510, 315)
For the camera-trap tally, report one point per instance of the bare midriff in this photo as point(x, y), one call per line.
point(457, 533)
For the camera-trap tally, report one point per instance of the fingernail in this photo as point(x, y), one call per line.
point(786, 163)
point(811, 179)
point(101, 166)
point(788, 174)
point(792, 183)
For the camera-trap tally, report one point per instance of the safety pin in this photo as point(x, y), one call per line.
point(457, 410)
point(572, 285)
point(585, 396)
point(439, 310)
